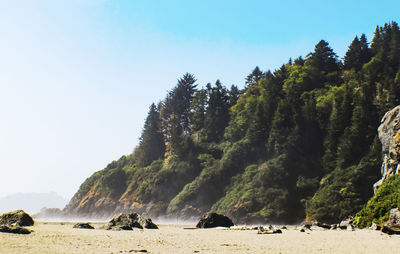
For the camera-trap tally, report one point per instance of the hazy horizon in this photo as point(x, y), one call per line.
point(31, 202)
point(77, 77)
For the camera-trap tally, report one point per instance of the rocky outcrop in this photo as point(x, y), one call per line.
point(212, 220)
point(269, 230)
point(14, 230)
point(92, 204)
point(16, 218)
point(389, 135)
point(392, 225)
point(347, 224)
point(83, 226)
point(314, 223)
point(374, 226)
point(130, 221)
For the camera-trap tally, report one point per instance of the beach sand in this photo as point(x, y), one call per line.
point(55, 237)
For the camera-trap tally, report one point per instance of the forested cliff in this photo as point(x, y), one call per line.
point(299, 141)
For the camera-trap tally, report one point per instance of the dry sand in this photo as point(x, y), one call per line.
point(52, 237)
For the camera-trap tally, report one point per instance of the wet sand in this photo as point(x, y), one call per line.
point(55, 237)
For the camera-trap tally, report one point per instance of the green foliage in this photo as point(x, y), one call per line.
point(217, 113)
point(358, 54)
point(296, 141)
point(344, 191)
point(254, 76)
point(175, 112)
point(378, 207)
point(111, 181)
point(151, 146)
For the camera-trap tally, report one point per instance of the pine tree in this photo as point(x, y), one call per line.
point(353, 55)
point(176, 115)
point(217, 114)
point(358, 54)
point(254, 76)
point(394, 52)
point(151, 146)
point(234, 94)
point(365, 55)
point(198, 109)
point(323, 58)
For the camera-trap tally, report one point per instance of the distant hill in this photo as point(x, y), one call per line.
point(31, 202)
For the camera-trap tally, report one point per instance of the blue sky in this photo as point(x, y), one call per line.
point(77, 77)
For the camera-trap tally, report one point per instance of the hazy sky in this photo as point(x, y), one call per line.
point(77, 77)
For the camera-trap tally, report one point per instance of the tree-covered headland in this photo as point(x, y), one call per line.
point(300, 141)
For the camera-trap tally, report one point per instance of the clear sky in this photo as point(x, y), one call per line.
point(77, 77)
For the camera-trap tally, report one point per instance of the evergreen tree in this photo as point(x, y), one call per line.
point(324, 61)
point(176, 115)
point(234, 94)
point(299, 61)
point(365, 55)
point(323, 58)
point(254, 76)
point(198, 109)
point(151, 146)
point(353, 55)
point(394, 52)
point(217, 114)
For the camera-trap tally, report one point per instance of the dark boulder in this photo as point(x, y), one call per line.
point(14, 230)
point(17, 218)
point(213, 220)
point(269, 230)
point(304, 228)
point(314, 223)
point(323, 225)
point(129, 221)
point(148, 223)
point(392, 225)
point(83, 226)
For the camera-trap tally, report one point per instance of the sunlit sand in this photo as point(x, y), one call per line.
point(56, 237)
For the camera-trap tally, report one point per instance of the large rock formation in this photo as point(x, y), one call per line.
point(213, 220)
point(392, 226)
point(389, 135)
point(130, 221)
point(14, 230)
point(83, 226)
point(16, 218)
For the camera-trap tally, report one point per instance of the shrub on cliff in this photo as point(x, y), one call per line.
point(378, 207)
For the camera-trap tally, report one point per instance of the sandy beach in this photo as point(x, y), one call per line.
point(56, 237)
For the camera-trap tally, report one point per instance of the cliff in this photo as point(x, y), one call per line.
point(387, 189)
point(389, 135)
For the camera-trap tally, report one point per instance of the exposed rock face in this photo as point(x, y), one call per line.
point(392, 226)
point(389, 135)
point(14, 230)
point(92, 204)
point(213, 220)
point(347, 224)
point(83, 226)
point(17, 218)
point(130, 221)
